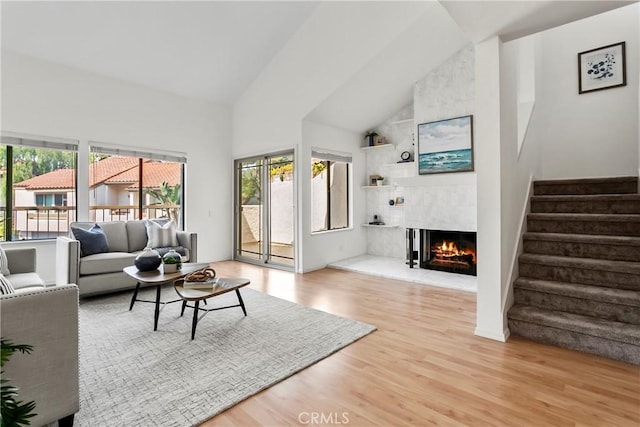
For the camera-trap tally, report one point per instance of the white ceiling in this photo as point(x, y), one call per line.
point(514, 19)
point(213, 50)
point(205, 50)
point(385, 84)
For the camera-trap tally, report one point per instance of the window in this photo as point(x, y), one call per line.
point(329, 191)
point(38, 190)
point(51, 199)
point(126, 184)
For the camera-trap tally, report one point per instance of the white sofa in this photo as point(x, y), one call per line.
point(102, 273)
point(47, 319)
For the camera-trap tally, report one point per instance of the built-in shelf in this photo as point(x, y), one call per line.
point(381, 226)
point(376, 147)
point(367, 187)
point(403, 122)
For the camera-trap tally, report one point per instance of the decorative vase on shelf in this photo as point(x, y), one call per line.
point(379, 182)
point(148, 260)
point(172, 261)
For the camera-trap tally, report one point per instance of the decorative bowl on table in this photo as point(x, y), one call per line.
point(172, 262)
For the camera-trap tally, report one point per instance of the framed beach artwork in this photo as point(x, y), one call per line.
point(446, 146)
point(602, 68)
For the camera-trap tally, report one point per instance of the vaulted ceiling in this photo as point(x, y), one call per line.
point(213, 50)
point(198, 49)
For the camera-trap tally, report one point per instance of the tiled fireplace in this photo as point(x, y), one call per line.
point(443, 250)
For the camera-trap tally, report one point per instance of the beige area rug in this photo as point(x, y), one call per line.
point(132, 376)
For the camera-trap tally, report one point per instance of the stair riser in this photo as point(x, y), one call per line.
point(586, 307)
point(595, 207)
point(616, 350)
point(583, 250)
point(629, 187)
point(607, 228)
point(602, 278)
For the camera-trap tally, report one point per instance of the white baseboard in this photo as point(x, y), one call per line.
point(494, 335)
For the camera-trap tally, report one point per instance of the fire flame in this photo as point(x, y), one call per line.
point(450, 249)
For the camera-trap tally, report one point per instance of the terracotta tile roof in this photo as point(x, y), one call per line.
point(155, 173)
point(61, 178)
point(105, 169)
point(112, 170)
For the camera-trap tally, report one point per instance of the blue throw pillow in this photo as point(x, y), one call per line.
point(92, 241)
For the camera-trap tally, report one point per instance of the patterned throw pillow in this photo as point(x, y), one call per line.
point(4, 264)
point(5, 286)
point(161, 236)
point(92, 241)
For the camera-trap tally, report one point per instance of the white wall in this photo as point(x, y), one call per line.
point(323, 248)
point(332, 45)
point(43, 98)
point(438, 202)
point(335, 42)
point(569, 135)
point(519, 165)
point(445, 201)
point(594, 134)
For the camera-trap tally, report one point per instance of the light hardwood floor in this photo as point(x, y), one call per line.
point(424, 366)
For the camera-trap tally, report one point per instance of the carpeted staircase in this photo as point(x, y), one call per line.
point(579, 284)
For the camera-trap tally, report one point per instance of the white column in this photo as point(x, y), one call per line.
point(489, 321)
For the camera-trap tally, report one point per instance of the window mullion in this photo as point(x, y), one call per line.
point(329, 195)
point(8, 225)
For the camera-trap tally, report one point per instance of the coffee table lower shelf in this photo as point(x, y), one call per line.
point(195, 295)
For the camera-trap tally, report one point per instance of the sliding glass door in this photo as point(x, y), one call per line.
point(264, 211)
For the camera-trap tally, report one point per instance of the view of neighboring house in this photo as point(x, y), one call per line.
point(45, 204)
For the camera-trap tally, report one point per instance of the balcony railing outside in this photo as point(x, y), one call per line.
point(48, 222)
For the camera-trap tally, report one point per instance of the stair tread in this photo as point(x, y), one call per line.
point(595, 293)
point(588, 180)
point(629, 267)
point(584, 197)
point(583, 238)
point(616, 331)
point(585, 217)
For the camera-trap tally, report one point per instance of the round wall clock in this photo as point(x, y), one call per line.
point(405, 156)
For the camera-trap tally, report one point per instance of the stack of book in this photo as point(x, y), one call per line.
point(201, 285)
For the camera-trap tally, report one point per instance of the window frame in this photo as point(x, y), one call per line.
point(142, 155)
point(12, 141)
point(329, 159)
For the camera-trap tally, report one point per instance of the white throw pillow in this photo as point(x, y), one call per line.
point(161, 236)
point(5, 286)
point(4, 264)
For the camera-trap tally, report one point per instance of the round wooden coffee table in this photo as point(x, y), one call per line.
point(221, 286)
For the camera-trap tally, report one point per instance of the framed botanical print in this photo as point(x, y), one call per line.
point(602, 68)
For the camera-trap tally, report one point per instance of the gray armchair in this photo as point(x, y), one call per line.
point(47, 319)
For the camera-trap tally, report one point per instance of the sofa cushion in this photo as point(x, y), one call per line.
point(5, 286)
point(93, 241)
point(116, 233)
point(110, 262)
point(161, 236)
point(137, 234)
point(25, 280)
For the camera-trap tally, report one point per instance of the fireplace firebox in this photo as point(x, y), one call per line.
point(444, 250)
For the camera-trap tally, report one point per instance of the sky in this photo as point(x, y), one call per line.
point(445, 135)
